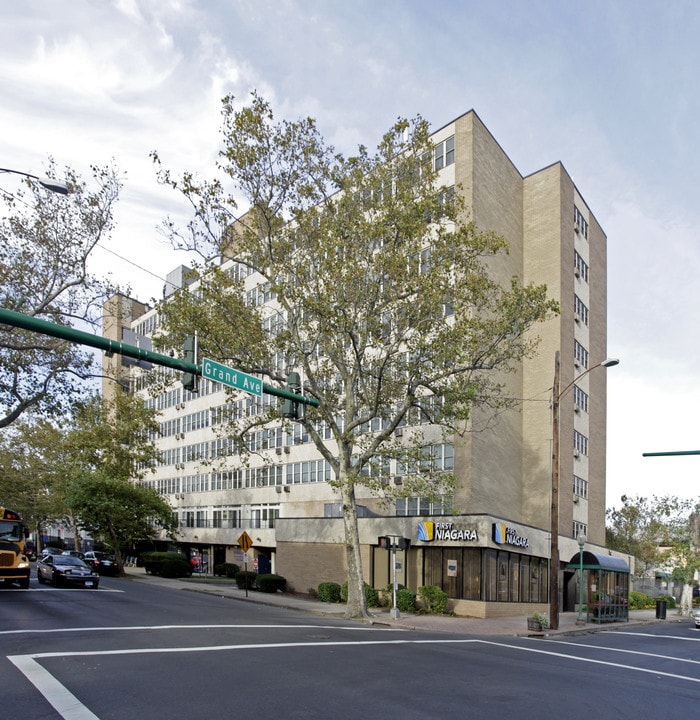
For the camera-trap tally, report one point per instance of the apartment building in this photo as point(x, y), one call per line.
point(489, 546)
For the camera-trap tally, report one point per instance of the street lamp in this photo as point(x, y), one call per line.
point(554, 511)
point(581, 537)
point(49, 183)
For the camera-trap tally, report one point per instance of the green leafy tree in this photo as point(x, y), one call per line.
point(107, 449)
point(381, 296)
point(45, 242)
point(32, 472)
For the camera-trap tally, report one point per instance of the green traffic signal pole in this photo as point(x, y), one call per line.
point(15, 319)
point(675, 452)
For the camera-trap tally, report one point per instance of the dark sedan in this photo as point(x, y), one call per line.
point(102, 562)
point(65, 570)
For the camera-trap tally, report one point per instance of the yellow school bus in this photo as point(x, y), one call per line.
point(14, 564)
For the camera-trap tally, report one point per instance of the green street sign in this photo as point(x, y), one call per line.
point(233, 378)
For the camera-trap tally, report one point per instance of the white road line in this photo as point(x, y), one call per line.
point(36, 631)
point(622, 650)
point(655, 637)
point(63, 702)
point(596, 662)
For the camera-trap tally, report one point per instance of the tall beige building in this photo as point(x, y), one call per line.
point(493, 549)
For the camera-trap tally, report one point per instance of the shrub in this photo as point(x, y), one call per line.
point(229, 570)
point(433, 600)
point(175, 564)
point(246, 579)
point(405, 600)
point(640, 601)
point(271, 583)
point(371, 595)
point(175, 567)
point(329, 592)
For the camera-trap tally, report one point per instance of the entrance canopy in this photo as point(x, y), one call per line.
point(594, 561)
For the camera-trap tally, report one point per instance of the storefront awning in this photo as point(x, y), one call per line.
point(594, 561)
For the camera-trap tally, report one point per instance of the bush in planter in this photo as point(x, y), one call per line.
point(433, 599)
point(640, 601)
point(245, 579)
point(329, 592)
point(271, 583)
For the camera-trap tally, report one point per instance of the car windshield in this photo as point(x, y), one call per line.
point(68, 560)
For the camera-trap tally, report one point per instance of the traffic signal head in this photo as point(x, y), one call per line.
point(189, 353)
point(290, 409)
point(404, 543)
point(384, 541)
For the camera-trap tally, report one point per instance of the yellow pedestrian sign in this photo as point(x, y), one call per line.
point(245, 541)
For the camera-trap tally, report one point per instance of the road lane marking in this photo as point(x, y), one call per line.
point(622, 650)
point(39, 631)
point(655, 637)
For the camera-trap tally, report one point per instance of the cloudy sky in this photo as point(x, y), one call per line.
point(609, 89)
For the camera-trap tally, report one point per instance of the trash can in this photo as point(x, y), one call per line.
point(661, 609)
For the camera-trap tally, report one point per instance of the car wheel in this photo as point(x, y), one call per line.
point(54, 580)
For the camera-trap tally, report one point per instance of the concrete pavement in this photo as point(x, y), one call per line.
point(512, 625)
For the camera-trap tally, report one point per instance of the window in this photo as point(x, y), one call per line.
point(580, 399)
point(580, 443)
point(579, 528)
point(580, 487)
point(580, 310)
point(580, 224)
point(444, 154)
point(580, 267)
point(580, 354)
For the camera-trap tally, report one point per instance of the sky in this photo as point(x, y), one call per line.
point(609, 89)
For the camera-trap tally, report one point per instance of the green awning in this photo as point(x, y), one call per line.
point(595, 561)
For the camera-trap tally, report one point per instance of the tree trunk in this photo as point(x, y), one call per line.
point(357, 603)
point(686, 605)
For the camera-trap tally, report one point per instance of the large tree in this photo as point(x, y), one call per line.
point(380, 296)
point(108, 448)
point(45, 243)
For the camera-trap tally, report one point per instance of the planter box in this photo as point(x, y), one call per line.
point(536, 625)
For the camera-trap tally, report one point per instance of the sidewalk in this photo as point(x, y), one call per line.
point(510, 626)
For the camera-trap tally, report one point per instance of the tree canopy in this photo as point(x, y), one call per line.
point(45, 242)
point(371, 283)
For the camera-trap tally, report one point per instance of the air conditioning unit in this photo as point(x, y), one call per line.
point(278, 451)
point(576, 453)
point(278, 489)
point(398, 480)
point(577, 229)
point(577, 273)
point(577, 409)
point(182, 436)
point(286, 449)
point(576, 499)
point(399, 432)
point(286, 488)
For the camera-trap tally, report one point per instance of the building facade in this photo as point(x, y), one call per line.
point(490, 548)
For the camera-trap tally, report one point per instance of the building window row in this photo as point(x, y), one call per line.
point(580, 310)
point(580, 354)
point(261, 517)
point(424, 507)
point(580, 487)
point(580, 443)
point(580, 399)
point(580, 267)
point(580, 223)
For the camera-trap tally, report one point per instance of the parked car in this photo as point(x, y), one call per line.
point(696, 615)
point(102, 562)
point(66, 570)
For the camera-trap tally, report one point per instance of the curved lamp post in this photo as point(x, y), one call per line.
point(557, 395)
point(49, 183)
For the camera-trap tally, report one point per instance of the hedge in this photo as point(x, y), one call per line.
point(166, 564)
point(271, 583)
point(329, 592)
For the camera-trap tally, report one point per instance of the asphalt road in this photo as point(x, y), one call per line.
point(138, 650)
